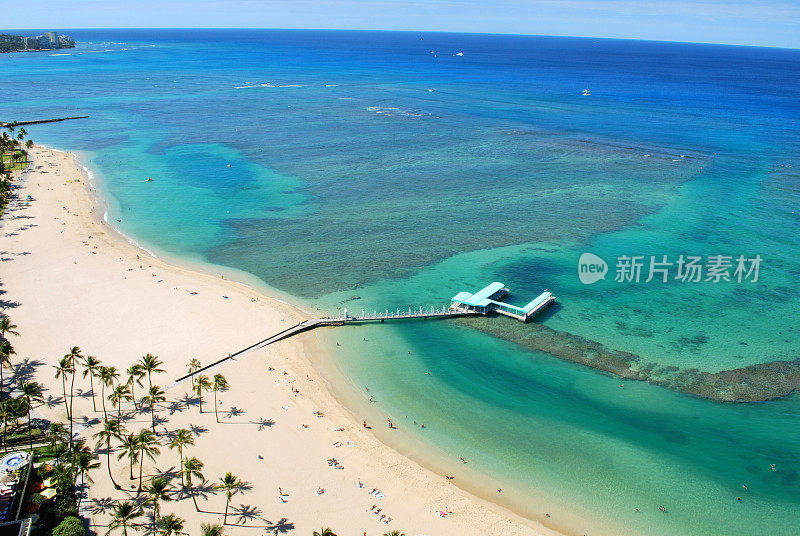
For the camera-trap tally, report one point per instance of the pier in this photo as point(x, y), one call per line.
point(484, 302)
point(487, 301)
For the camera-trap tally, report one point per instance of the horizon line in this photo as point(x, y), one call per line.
point(408, 31)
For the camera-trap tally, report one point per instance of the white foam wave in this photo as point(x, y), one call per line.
point(390, 110)
point(253, 85)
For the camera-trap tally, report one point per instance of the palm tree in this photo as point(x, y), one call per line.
point(91, 364)
point(150, 364)
point(207, 529)
point(85, 462)
point(155, 396)
point(29, 144)
point(220, 383)
point(201, 384)
point(6, 351)
point(122, 515)
point(192, 467)
point(6, 326)
point(170, 525)
point(120, 394)
point(182, 438)
point(72, 357)
point(231, 484)
point(31, 391)
point(108, 375)
point(56, 432)
point(7, 410)
point(112, 429)
point(135, 375)
point(394, 533)
point(158, 490)
point(130, 448)
point(194, 366)
point(324, 532)
point(64, 367)
point(147, 443)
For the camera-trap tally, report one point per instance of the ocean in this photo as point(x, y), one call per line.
point(384, 170)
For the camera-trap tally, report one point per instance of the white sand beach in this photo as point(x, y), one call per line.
point(68, 280)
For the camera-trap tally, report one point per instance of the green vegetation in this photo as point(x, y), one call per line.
point(71, 526)
point(11, 43)
point(13, 157)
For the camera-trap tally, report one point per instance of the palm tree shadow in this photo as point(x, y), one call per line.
point(169, 474)
point(9, 304)
point(263, 423)
point(175, 407)
point(101, 505)
point(205, 490)
point(189, 401)
point(160, 420)
point(25, 370)
point(282, 526)
point(86, 421)
point(197, 429)
point(233, 412)
point(53, 401)
point(244, 513)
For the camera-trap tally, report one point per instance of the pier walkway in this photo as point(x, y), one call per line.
point(482, 303)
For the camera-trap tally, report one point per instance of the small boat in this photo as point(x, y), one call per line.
point(149, 180)
point(586, 92)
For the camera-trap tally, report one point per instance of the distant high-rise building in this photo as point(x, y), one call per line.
point(53, 37)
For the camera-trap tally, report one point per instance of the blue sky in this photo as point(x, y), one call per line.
point(753, 22)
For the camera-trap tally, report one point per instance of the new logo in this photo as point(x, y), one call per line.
point(591, 268)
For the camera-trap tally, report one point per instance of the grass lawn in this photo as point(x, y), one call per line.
point(18, 165)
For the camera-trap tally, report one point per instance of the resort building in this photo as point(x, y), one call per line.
point(487, 299)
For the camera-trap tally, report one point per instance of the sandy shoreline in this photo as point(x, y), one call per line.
point(68, 279)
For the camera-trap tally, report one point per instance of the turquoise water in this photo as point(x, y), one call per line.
point(349, 178)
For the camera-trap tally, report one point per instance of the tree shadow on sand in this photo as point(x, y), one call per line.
point(263, 423)
point(245, 512)
point(197, 429)
point(204, 490)
point(101, 505)
point(25, 370)
point(233, 412)
point(169, 474)
point(282, 526)
point(86, 421)
point(53, 401)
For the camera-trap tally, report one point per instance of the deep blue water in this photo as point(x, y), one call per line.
point(385, 166)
